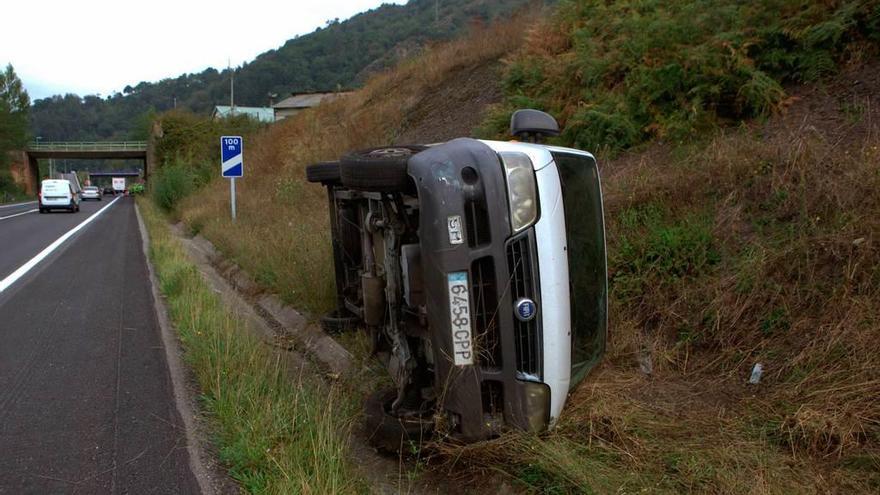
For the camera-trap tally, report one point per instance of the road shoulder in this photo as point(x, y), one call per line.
point(208, 471)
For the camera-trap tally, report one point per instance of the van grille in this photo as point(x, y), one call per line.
point(484, 289)
point(477, 223)
point(522, 284)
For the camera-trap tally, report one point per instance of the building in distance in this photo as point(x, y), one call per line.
point(261, 114)
point(298, 102)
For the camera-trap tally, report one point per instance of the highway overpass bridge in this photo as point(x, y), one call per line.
point(27, 173)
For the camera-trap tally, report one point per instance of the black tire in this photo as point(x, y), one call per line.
point(42, 210)
point(326, 173)
point(378, 169)
point(336, 323)
point(390, 433)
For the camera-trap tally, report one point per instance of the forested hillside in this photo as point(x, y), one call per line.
point(341, 54)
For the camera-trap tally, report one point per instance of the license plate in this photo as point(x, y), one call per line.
point(460, 318)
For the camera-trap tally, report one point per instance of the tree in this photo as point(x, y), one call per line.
point(14, 105)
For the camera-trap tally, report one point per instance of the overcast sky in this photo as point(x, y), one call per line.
point(100, 46)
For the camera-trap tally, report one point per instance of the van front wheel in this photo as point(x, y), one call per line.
point(390, 433)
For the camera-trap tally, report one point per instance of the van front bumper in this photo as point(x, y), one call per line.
point(504, 386)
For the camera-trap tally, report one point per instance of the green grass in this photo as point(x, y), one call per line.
point(276, 431)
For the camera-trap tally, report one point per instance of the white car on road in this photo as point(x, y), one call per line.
point(58, 194)
point(91, 192)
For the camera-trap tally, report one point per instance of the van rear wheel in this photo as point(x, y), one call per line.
point(378, 169)
point(326, 173)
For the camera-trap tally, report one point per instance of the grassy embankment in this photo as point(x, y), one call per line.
point(276, 431)
point(745, 231)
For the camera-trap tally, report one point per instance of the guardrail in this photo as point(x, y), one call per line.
point(88, 146)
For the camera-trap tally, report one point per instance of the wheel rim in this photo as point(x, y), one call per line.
point(390, 152)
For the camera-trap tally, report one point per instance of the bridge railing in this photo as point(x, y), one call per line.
point(88, 146)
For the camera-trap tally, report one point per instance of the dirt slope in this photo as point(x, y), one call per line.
point(454, 108)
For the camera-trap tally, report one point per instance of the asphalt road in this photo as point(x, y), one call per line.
point(86, 401)
point(16, 209)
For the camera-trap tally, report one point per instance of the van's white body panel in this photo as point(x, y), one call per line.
point(555, 291)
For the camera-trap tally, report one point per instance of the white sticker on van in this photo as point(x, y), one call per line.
point(454, 224)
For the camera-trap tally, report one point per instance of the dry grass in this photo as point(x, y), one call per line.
point(281, 235)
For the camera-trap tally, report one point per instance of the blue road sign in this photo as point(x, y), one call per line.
point(232, 162)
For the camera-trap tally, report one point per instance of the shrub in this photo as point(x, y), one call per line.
point(171, 184)
point(188, 150)
point(619, 73)
point(9, 190)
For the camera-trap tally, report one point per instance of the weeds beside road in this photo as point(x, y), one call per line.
point(277, 432)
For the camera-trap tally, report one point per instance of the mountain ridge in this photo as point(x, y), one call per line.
point(342, 54)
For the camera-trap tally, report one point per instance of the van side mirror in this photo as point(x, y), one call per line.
point(533, 125)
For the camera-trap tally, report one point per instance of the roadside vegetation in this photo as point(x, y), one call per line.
point(740, 150)
point(14, 105)
point(10, 192)
point(187, 152)
point(616, 74)
point(277, 430)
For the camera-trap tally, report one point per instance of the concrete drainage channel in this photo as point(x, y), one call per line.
point(306, 345)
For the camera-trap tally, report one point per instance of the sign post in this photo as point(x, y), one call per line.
point(232, 163)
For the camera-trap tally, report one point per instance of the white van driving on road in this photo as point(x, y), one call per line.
point(56, 194)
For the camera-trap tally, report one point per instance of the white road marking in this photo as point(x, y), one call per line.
point(19, 214)
point(17, 204)
point(23, 269)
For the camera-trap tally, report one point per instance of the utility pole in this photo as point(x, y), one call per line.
point(436, 12)
point(231, 88)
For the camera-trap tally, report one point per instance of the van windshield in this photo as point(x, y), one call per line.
point(585, 231)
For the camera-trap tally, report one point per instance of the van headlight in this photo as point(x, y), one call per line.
point(522, 196)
